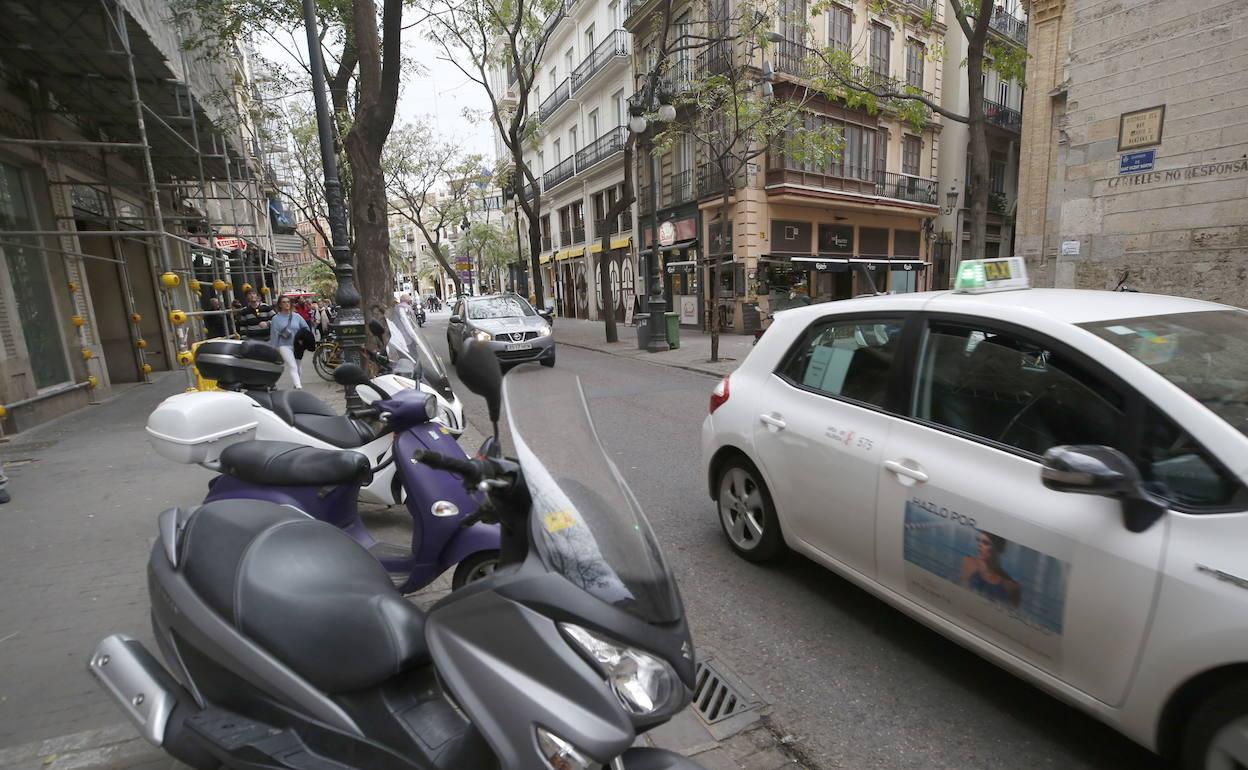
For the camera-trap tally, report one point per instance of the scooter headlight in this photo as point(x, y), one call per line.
point(642, 682)
point(560, 754)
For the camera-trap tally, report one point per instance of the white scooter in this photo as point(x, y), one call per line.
point(195, 427)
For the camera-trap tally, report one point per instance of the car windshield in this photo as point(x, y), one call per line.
point(407, 343)
point(1204, 353)
point(587, 526)
point(498, 307)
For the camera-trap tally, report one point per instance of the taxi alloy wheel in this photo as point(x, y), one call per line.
point(1217, 734)
point(746, 513)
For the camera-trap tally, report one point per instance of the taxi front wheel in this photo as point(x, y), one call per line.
point(746, 512)
point(1217, 735)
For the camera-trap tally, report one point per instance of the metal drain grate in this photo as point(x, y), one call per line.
point(714, 698)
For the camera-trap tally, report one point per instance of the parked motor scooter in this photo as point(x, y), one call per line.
point(290, 649)
point(325, 484)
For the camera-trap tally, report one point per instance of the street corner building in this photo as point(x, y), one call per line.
point(133, 183)
point(1135, 147)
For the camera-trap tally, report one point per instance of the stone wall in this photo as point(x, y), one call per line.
point(1179, 229)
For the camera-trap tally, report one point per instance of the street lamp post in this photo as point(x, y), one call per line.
point(349, 324)
point(515, 210)
point(657, 307)
point(951, 203)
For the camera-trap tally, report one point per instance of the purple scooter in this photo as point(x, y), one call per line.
point(325, 484)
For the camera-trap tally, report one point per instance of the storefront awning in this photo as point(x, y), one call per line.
point(545, 258)
point(677, 246)
point(570, 254)
point(841, 263)
point(686, 266)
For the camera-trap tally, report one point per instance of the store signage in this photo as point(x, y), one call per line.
point(667, 234)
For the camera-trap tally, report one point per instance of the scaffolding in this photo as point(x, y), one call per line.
point(92, 65)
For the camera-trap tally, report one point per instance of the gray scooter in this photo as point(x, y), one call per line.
point(287, 647)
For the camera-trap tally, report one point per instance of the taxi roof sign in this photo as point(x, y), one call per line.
point(977, 276)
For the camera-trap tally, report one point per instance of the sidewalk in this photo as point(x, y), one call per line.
point(693, 354)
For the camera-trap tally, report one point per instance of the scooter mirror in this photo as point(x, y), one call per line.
point(376, 328)
point(350, 374)
point(479, 370)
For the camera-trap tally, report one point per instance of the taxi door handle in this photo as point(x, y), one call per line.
point(904, 470)
point(773, 422)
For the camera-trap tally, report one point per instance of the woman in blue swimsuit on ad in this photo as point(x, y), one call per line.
point(983, 574)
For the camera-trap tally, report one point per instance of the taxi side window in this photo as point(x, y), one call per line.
point(1180, 470)
point(1013, 391)
point(850, 359)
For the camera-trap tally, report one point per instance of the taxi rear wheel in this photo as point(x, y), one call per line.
point(1217, 735)
point(746, 512)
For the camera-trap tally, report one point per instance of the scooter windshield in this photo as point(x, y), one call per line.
point(586, 524)
point(408, 344)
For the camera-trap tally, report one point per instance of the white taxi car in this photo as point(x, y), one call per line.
point(1056, 479)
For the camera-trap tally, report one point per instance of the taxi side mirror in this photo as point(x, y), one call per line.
point(1104, 471)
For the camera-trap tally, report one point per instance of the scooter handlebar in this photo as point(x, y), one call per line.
point(472, 471)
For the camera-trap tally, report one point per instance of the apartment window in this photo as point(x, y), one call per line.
point(1003, 93)
point(840, 28)
point(541, 163)
point(565, 220)
point(684, 158)
point(572, 144)
point(859, 152)
point(621, 113)
point(568, 62)
point(915, 52)
point(996, 173)
point(881, 39)
point(911, 151)
point(589, 39)
point(554, 79)
point(613, 13)
point(793, 20)
point(593, 124)
point(558, 153)
point(881, 153)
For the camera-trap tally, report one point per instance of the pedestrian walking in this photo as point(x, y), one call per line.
point(4, 487)
point(325, 320)
point(301, 307)
point(254, 319)
point(286, 324)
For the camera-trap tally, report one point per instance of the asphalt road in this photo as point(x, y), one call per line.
point(858, 683)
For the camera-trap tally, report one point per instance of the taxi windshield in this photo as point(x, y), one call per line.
point(1204, 353)
point(586, 524)
point(407, 343)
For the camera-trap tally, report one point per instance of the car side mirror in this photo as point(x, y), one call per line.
point(480, 371)
point(377, 329)
point(456, 319)
point(349, 375)
point(1104, 471)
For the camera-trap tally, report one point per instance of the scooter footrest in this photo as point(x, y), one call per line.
point(248, 740)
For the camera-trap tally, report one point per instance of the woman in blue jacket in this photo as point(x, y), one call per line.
point(285, 325)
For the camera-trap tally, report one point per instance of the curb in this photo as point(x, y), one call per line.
point(670, 365)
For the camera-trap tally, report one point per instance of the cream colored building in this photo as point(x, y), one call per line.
point(1135, 147)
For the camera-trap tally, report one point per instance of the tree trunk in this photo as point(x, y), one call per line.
point(978, 138)
point(535, 255)
point(715, 263)
point(372, 231)
point(437, 254)
point(624, 203)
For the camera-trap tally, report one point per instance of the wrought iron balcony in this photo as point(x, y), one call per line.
point(565, 237)
point(560, 173)
point(615, 46)
point(1005, 117)
point(1009, 25)
point(715, 60)
point(710, 180)
point(558, 98)
point(601, 148)
point(680, 189)
point(856, 180)
point(906, 187)
point(578, 234)
point(547, 243)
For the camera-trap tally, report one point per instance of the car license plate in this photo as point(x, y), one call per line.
point(519, 346)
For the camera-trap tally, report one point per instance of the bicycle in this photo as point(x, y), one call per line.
point(327, 357)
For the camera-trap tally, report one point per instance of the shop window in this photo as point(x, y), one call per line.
point(32, 290)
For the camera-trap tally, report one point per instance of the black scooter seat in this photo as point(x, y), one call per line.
point(314, 417)
point(283, 464)
point(305, 591)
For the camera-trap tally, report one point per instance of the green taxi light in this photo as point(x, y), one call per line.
point(983, 275)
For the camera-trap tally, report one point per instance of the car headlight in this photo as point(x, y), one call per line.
point(544, 331)
point(481, 336)
point(642, 682)
point(560, 754)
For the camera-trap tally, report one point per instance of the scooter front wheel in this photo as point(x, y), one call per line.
point(478, 566)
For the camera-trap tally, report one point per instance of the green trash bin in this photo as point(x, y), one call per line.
point(673, 330)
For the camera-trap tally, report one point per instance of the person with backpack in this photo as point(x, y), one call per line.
point(283, 330)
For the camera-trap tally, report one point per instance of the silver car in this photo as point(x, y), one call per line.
point(507, 323)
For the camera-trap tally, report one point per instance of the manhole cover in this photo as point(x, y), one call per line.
point(715, 697)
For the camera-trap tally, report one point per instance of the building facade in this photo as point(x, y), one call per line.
point(1134, 159)
point(580, 100)
point(1003, 105)
point(115, 211)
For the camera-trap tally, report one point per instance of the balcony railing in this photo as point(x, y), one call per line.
point(1005, 117)
point(856, 180)
point(578, 234)
point(905, 187)
point(620, 224)
point(602, 148)
point(1009, 25)
point(715, 60)
point(557, 98)
point(560, 173)
point(547, 243)
point(680, 188)
point(804, 62)
point(565, 237)
point(643, 199)
point(614, 46)
point(710, 180)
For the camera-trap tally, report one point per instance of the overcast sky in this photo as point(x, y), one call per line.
point(440, 95)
